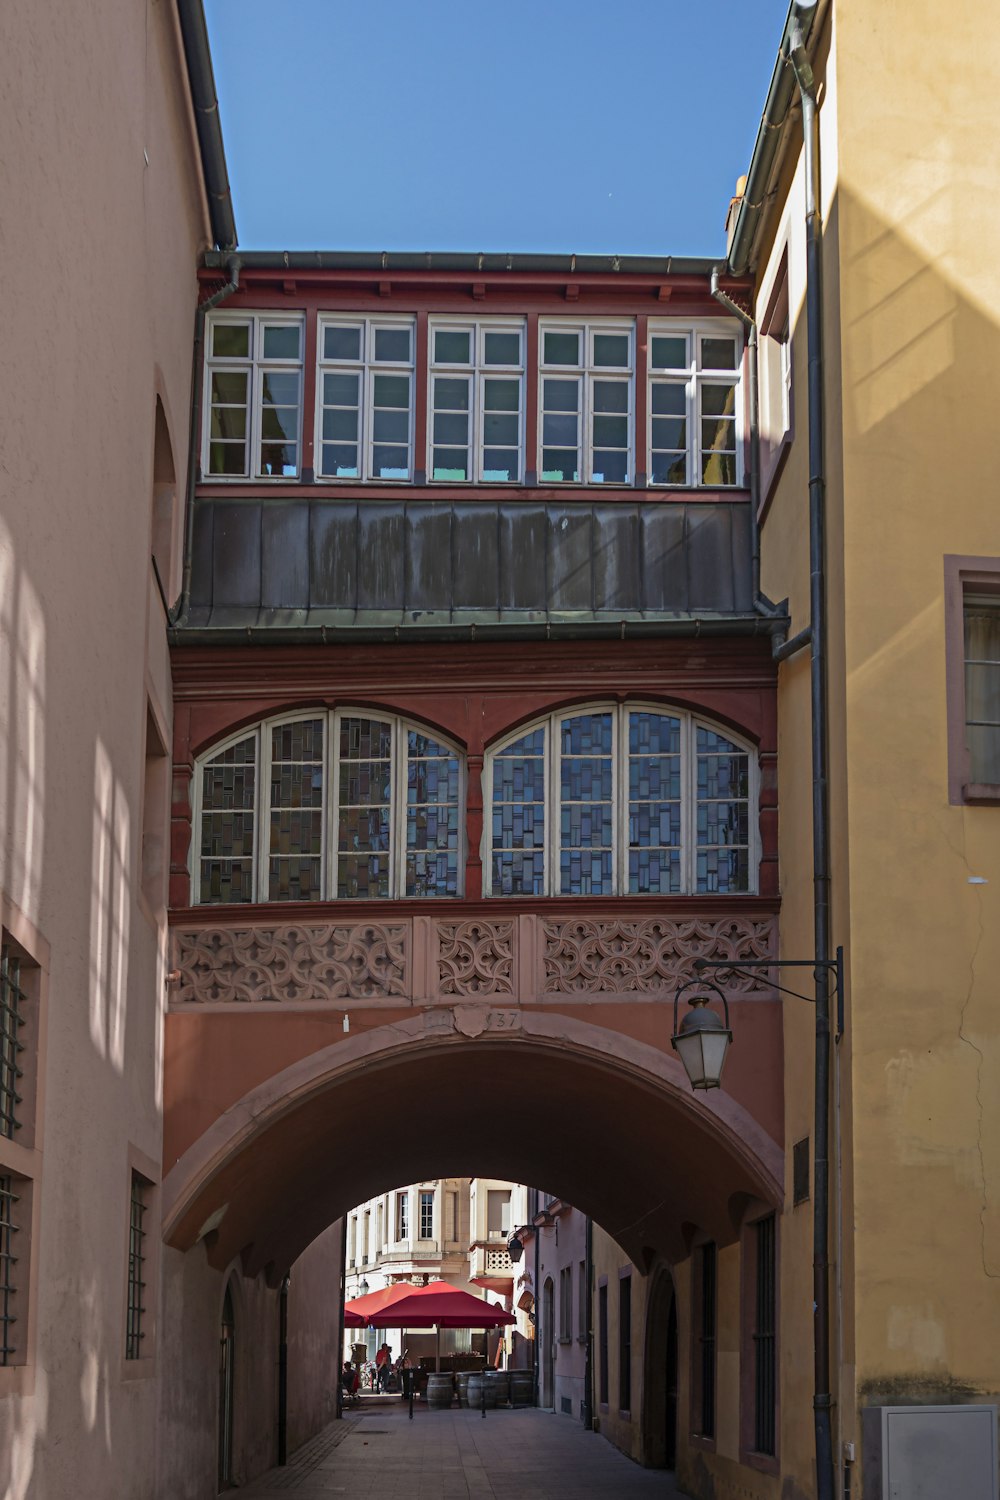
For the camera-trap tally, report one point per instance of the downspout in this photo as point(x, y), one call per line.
point(588, 1374)
point(283, 1373)
point(822, 1400)
point(178, 613)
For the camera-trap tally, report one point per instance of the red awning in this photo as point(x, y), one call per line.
point(438, 1305)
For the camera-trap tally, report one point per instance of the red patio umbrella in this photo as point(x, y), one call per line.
point(374, 1302)
point(353, 1319)
point(438, 1305)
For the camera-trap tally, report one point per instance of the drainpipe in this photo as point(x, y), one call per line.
point(283, 1373)
point(588, 1374)
point(822, 1400)
point(180, 609)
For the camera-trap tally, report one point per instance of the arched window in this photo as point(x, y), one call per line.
point(328, 806)
point(621, 801)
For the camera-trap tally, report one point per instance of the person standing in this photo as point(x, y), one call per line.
point(383, 1364)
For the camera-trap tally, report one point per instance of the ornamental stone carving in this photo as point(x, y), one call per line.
point(616, 957)
point(476, 958)
point(293, 964)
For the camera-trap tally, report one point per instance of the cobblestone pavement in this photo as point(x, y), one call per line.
point(459, 1455)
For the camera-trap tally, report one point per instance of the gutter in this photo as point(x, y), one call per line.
point(802, 19)
point(451, 261)
point(179, 634)
point(201, 78)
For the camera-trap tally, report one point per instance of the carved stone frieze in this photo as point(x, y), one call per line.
point(476, 958)
point(616, 957)
point(293, 964)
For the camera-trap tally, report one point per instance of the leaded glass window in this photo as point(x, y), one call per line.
point(392, 826)
point(619, 801)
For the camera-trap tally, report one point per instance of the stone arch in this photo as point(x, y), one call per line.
point(606, 1120)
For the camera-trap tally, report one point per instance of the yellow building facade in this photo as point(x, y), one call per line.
point(909, 307)
point(909, 304)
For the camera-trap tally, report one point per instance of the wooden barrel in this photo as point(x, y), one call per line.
point(500, 1381)
point(462, 1383)
point(439, 1391)
point(476, 1384)
point(521, 1388)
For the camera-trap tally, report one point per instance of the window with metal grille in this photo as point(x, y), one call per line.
point(136, 1303)
point(625, 1343)
point(12, 1000)
point(602, 1328)
point(8, 1263)
point(765, 1367)
point(706, 1341)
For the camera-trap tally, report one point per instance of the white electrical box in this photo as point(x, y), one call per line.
point(930, 1452)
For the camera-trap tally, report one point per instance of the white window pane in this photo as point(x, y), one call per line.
point(501, 348)
point(231, 340)
point(342, 343)
point(392, 345)
point(281, 341)
point(452, 346)
point(560, 348)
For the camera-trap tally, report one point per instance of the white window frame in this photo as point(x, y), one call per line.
point(423, 1193)
point(587, 373)
point(690, 724)
point(402, 1224)
point(367, 367)
point(694, 377)
point(478, 372)
point(263, 761)
point(256, 366)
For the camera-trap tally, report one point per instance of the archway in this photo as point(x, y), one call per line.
point(608, 1119)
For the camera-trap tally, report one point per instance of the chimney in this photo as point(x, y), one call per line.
point(732, 212)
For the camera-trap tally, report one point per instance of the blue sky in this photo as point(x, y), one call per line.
point(455, 125)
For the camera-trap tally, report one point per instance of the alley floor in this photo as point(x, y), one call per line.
point(459, 1455)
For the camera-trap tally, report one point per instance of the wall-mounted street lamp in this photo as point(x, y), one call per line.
point(515, 1248)
point(362, 1288)
point(702, 1039)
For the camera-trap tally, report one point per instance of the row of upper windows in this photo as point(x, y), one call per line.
point(599, 802)
point(476, 401)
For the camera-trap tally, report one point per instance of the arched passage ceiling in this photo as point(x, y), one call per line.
point(619, 1136)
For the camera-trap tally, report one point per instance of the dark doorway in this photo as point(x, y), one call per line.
point(548, 1395)
point(670, 1415)
point(227, 1351)
point(659, 1406)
